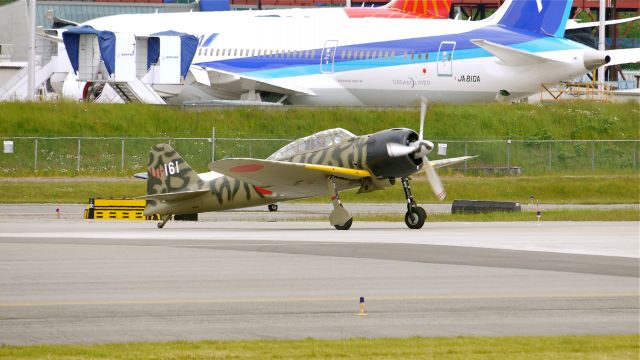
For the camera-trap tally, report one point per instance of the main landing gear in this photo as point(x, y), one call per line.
point(340, 218)
point(415, 216)
point(163, 220)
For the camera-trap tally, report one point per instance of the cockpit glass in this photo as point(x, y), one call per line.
point(313, 142)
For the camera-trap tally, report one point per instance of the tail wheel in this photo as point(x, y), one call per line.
point(415, 218)
point(346, 225)
point(272, 207)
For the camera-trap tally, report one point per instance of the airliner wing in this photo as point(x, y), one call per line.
point(572, 24)
point(285, 178)
point(513, 56)
point(239, 83)
point(623, 56)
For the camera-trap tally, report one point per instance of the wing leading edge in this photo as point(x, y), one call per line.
point(241, 83)
point(285, 178)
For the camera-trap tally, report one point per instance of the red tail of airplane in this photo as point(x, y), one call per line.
point(425, 9)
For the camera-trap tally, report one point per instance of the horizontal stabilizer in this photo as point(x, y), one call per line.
point(175, 196)
point(511, 56)
point(572, 24)
point(451, 161)
point(623, 56)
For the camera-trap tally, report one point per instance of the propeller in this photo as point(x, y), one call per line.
point(420, 148)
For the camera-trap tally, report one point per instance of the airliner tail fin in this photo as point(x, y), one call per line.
point(540, 16)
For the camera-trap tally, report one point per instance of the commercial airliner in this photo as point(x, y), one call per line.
point(391, 56)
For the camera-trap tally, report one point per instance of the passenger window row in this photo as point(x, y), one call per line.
point(306, 54)
point(302, 54)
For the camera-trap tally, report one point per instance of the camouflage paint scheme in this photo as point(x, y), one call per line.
point(193, 194)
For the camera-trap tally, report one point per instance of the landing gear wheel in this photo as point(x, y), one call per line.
point(163, 220)
point(415, 218)
point(272, 207)
point(346, 225)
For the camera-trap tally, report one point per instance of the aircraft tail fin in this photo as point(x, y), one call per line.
point(540, 16)
point(168, 172)
point(429, 8)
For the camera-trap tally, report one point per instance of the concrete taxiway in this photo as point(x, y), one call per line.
point(75, 281)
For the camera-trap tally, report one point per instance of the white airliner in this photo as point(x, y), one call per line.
point(376, 57)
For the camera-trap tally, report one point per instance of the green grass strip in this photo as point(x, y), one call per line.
point(620, 189)
point(551, 215)
point(553, 347)
point(567, 120)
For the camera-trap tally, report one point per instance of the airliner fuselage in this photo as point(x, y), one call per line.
point(325, 57)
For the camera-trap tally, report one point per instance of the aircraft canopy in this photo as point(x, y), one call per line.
point(317, 141)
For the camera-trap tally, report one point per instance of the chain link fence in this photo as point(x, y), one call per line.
point(108, 156)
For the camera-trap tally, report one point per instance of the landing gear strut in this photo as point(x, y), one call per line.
point(163, 220)
point(340, 218)
point(415, 216)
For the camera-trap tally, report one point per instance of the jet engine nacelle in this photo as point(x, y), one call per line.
point(384, 166)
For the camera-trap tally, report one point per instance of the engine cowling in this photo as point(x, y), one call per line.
point(384, 166)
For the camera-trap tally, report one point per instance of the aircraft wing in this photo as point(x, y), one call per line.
point(285, 178)
point(239, 83)
point(513, 56)
point(623, 56)
point(572, 24)
point(447, 162)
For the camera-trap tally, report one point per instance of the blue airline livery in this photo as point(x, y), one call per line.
point(377, 57)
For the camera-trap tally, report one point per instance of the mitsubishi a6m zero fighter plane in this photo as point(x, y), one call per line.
point(324, 163)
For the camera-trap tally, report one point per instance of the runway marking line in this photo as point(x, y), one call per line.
point(324, 299)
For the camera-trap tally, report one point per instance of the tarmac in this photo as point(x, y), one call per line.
point(68, 280)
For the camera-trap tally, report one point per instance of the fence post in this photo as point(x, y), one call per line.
point(122, 157)
point(635, 154)
point(465, 162)
point(35, 156)
point(508, 158)
point(250, 144)
point(213, 144)
point(78, 165)
point(593, 156)
point(550, 144)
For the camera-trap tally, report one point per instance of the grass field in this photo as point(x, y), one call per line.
point(620, 347)
point(622, 189)
point(569, 120)
point(528, 125)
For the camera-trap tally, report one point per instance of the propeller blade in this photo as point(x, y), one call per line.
point(423, 112)
point(434, 180)
point(398, 150)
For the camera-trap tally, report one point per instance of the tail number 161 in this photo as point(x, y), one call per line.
point(172, 168)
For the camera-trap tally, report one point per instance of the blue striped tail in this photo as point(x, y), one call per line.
point(540, 16)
